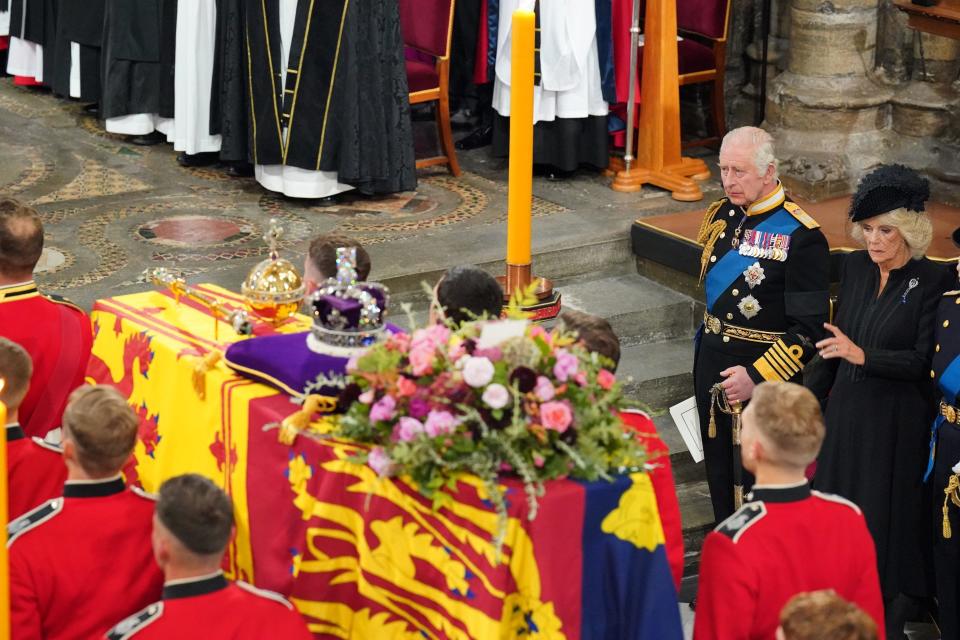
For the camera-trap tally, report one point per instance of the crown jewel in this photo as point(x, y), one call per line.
point(347, 313)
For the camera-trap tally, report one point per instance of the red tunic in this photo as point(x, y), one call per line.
point(81, 562)
point(782, 542)
point(35, 472)
point(661, 475)
point(213, 609)
point(58, 337)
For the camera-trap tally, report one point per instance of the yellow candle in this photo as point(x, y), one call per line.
point(521, 139)
point(4, 513)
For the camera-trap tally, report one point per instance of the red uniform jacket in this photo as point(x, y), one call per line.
point(35, 471)
point(782, 542)
point(58, 337)
point(661, 475)
point(214, 609)
point(81, 562)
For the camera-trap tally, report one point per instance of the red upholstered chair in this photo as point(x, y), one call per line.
point(703, 54)
point(427, 26)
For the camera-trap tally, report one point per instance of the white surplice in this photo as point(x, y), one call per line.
point(193, 80)
point(570, 84)
point(294, 181)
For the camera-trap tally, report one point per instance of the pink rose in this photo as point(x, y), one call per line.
point(366, 397)
point(421, 358)
point(536, 331)
point(556, 416)
point(406, 387)
point(477, 372)
point(580, 378)
point(544, 389)
point(435, 335)
point(398, 342)
point(566, 365)
point(490, 353)
point(407, 429)
point(605, 379)
point(384, 409)
point(440, 422)
point(538, 460)
point(380, 462)
point(496, 396)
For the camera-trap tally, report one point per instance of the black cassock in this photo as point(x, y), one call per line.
point(230, 94)
point(80, 22)
point(878, 414)
point(345, 105)
point(139, 46)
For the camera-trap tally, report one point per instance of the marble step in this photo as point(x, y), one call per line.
point(659, 374)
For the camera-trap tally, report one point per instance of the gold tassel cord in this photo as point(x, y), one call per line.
point(950, 495)
point(300, 420)
point(709, 239)
point(200, 370)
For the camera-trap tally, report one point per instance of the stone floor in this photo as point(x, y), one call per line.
point(112, 209)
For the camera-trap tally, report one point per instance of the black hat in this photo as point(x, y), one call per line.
point(956, 236)
point(886, 188)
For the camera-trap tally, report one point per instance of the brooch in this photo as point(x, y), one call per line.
point(754, 275)
point(749, 307)
point(914, 282)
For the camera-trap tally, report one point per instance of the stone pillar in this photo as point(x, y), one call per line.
point(829, 111)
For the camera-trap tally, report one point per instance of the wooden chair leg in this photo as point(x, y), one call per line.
point(719, 109)
point(446, 135)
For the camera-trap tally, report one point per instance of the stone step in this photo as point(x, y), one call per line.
point(659, 374)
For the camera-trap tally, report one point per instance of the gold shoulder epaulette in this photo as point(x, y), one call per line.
point(52, 297)
point(952, 293)
point(800, 215)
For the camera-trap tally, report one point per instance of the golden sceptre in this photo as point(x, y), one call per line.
point(238, 319)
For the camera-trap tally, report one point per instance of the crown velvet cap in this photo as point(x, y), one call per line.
point(347, 314)
point(889, 187)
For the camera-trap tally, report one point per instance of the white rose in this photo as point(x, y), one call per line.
point(496, 396)
point(477, 372)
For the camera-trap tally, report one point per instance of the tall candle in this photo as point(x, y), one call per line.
point(521, 138)
point(4, 516)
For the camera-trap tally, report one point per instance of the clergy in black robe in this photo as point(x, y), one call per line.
point(230, 99)
point(26, 44)
point(340, 107)
point(139, 47)
point(79, 36)
point(877, 371)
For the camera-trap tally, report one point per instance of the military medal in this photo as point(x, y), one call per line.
point(749, 307)
point(754, 275)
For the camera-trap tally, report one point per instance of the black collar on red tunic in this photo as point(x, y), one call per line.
point(780, 494)
point(194, 587)
point(15, 432)
point(93, 489)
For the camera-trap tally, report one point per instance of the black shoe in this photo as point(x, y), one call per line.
point(206, 159)
point(238, 169)
point(328, 201)
point(92, 109)
point(152, 138)
point(482, 136)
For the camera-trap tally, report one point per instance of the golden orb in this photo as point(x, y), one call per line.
point(274, 288)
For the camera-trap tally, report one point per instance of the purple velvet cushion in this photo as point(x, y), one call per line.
point(284, 362)
point(694, 56)
point(421, 76)
point(706, 17)
point(426, 24)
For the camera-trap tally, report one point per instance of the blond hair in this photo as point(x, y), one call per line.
point(915, 228)
point(102, 426)
point(823, 615)
point(16, 367)
point(788, 417)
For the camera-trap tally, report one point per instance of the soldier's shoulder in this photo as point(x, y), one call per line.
point(745, 517)
point(146, 495)
point(129, 627)
point(33, 519)
point(835, 499)
point(800, 215)
point(264, 593)
point(60, 300)
point(49, 446)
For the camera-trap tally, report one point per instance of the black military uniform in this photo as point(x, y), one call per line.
point(765, 272)
point(945, 464)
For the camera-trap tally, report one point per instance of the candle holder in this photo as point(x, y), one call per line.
point(549, 302)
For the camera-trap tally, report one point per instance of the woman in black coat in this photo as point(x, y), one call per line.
point(877, 369)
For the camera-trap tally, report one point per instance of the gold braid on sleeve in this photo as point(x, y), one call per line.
point(708, 235)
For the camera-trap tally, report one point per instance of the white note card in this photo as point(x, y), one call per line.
point(687, 419)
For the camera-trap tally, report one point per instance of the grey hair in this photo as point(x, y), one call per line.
point(915, 228)
point(760, 141)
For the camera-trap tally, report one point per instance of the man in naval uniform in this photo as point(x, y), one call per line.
point(191, 529)
point(765, 270)
point(786, 539)
point(82, 561)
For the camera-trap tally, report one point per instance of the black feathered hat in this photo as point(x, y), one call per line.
point(889, 187)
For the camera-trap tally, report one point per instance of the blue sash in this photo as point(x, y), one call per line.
point(950, 385)
point(732, 264)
